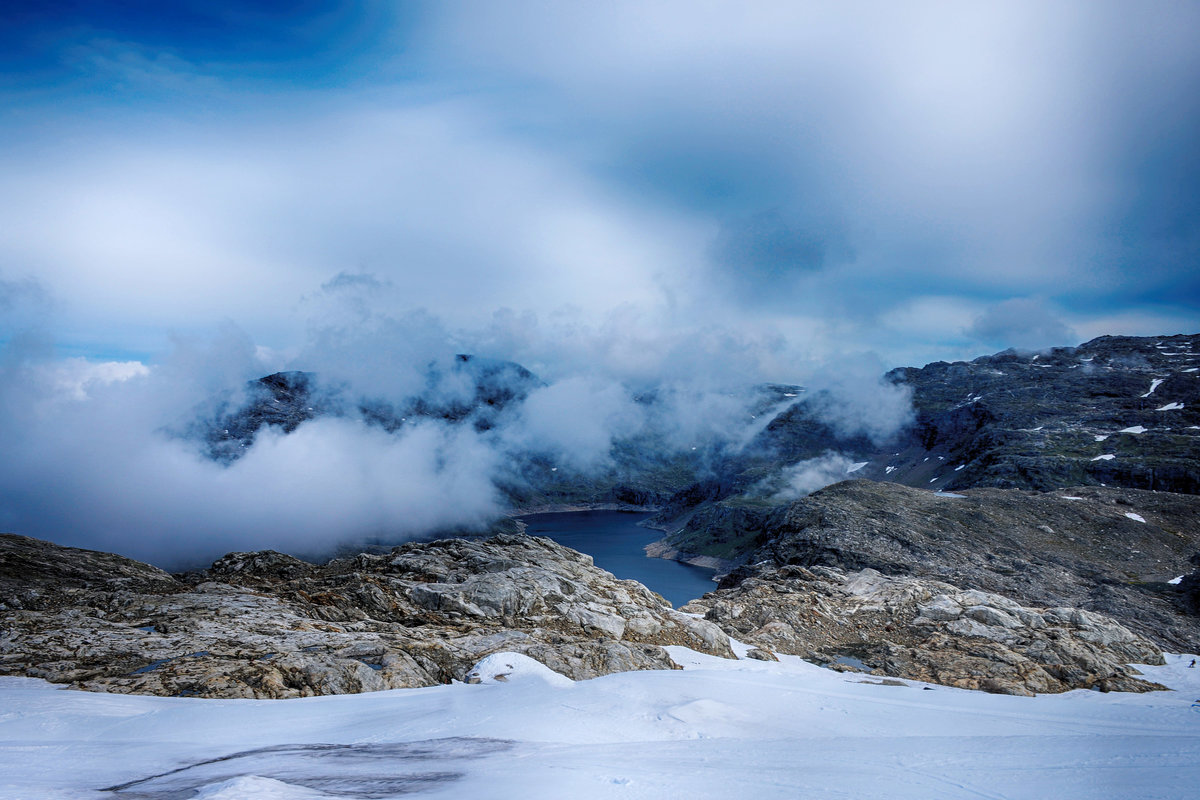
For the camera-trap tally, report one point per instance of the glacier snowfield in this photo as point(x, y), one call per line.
point(719, 728)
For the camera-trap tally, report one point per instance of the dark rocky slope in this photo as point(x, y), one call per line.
point(1106, 550)
point(1116, 411)
point(1045, 421)
point(469, 390)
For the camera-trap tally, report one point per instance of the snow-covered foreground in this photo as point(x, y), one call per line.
point(718, 729)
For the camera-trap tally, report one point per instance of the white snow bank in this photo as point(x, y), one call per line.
point(512, 667)
point(1133, 429)
point(856, 466)
point(1176, 581)
point(1170, 407)
point(1100, 437)
point(1105, 457)
point(1135, 517)
point(1070, 497)
point(1154, 384)
point(716, 729)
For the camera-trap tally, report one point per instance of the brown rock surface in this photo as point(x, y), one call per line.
point(928, 630)
point(267, 625)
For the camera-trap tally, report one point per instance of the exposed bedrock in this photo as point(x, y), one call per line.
point(268, 625)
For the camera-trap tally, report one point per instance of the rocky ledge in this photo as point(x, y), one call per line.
point(1115, 551)
point(267, 625)
point(928, 630)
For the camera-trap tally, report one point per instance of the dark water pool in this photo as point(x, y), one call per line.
point(614, 541)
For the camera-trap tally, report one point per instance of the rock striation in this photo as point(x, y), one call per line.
point(927, 630)
point(267, 625)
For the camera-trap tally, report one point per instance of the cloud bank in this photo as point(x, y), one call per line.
point(633, 200)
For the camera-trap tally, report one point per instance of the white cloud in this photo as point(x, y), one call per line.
point(806, 477)
point(241, 217)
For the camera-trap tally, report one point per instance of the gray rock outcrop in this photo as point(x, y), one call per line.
point(267, 625)
point(1102, 549)
point(928, 630)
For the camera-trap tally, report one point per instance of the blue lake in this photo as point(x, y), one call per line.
point(614, 541)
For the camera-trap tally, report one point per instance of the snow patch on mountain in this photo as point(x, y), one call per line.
point(1154, 384)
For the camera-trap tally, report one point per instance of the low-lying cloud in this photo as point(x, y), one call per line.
point(112, 455)
point(806, 477)
point(89, 462)
point(1025, 323)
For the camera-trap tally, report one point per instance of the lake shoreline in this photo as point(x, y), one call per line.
point(662, 549)
point(617, 542)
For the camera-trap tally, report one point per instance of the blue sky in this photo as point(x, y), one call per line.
point(918, 181)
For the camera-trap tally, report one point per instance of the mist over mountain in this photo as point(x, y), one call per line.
point(197, 456)
point(399, 431)
point(884, 317)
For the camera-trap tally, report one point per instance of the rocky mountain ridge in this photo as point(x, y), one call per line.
point(267, 625)
point(928, 630)
point(1115, 411)
point(1128, 554)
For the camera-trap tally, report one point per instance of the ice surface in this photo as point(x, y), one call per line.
point(1105, 457)
point(717, 729)
point(856, 467)
point(1135, 517)
point(1176, 581)
point(1170, 407)
point(1133, 429)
